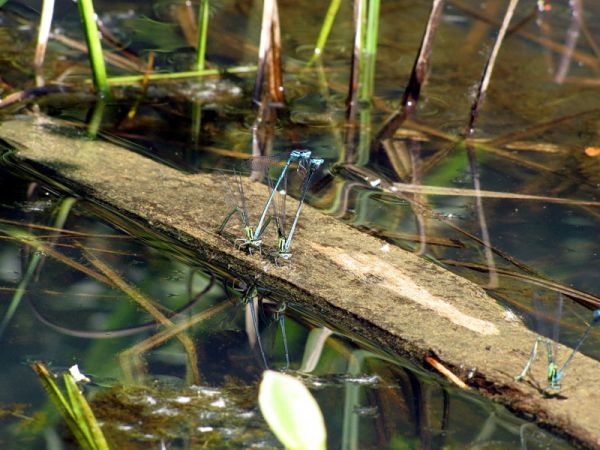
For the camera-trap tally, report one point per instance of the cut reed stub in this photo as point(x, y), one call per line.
point(269, 59)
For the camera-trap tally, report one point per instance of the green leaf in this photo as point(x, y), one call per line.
point(292, 412)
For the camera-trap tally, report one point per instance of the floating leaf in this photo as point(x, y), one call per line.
point(291, 412)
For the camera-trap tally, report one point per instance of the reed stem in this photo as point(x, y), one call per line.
point(42, 41)
point(131, 79)
point(202, 33)
point(353, 88)
point(92, 37)
point(370, 51)
point(332, 11)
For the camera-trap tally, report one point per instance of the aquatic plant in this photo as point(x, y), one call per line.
point(332, 11)
point(92, 36)
point(291, 412)
point(42, 41)
point(74, 408)
point(202, 34)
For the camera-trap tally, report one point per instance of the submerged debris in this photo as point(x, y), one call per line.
point(140, 416)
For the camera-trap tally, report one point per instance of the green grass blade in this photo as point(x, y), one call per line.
point(72, 391)
point(131, 79)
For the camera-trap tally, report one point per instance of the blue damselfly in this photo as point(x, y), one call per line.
point(548, 326)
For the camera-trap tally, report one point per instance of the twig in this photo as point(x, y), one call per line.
point(276, 91)
point(268, 57)
point(447, 191)
point(446, 372)
point(588, 300)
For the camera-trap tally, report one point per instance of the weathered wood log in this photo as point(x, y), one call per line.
point(393, 298)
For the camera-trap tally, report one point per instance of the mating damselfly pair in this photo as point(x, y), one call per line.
point(547, 324)
point(275, 206)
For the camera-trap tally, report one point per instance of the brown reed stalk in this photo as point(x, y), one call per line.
point(417, 77)
point(42, 41)
point(353, 86)
point(269, 56)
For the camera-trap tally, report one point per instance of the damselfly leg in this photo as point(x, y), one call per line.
point(237, 200)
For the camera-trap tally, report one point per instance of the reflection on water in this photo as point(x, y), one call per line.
point(97, 293)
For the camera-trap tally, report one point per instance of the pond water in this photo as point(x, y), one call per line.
point(537, 131)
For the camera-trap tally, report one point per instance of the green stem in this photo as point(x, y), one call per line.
point(96, 118)
point(370, 51)
point(92, 36)
point(332, 11)
point(202, 33)
point(131, 79)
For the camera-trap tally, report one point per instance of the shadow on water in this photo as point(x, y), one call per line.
point(75, 310)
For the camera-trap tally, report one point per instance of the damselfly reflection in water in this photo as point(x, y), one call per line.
point(254, 301)
point(252, 239)
point(547, 324)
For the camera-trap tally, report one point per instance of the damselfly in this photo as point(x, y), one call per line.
point(253, 235)
point(550, 339)
point(284, 239)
